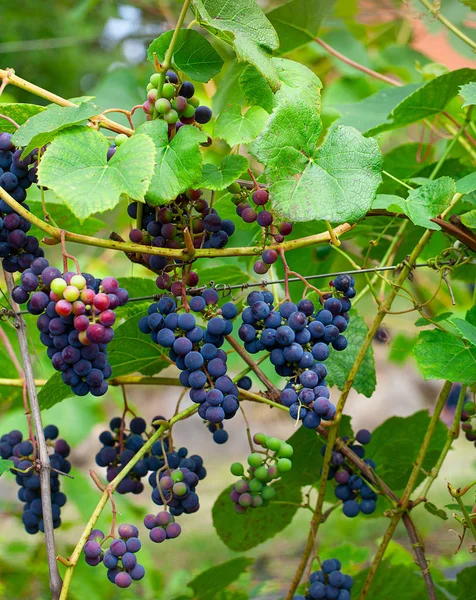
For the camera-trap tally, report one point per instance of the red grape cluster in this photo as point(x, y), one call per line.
point(273, 230)
point(162, 526)
point(467, 418)
point(120, 558)
point(75, 322)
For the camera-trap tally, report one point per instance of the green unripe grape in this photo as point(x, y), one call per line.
point(286, 450)
point(78, 281)
point(274, 444)
point(58, 285)
point(260, 438)
point(237, 469)
point(267, 493)
point(261, 473)
point(171, 117)
point(194, 101)
point(189, 111)
point(120, 139)
point(241, 486)
point(162, 105)
point(70, 293)
point(168, 91)
point(154, 79)
point(149, 87)
point(177, 475)
point(257, 501)
point(255, 459)
point(234, 188)
point(284, 464)
point(469, 408)
point(255, 485)
point(180, 488)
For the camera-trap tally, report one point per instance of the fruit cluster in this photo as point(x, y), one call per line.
point(196, 350)
point(252, 489)
point(167, 226)
point(23, 454)
point(17, 249)
point(220, 436)
point(175, 103)
point(120, 558)
point(75, 322)
point(328, 583)
point(467, 415)
point(352, 487)
point(162, 526)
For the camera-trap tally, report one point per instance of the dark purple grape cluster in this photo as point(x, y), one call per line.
point(120, 445)
point(17, 249)
point(252, 489)
point(352, 487)
point(164, 227)
point(467, 415)
point(76, 314)
point(220, 436)
point(196, 350)
point(329, 583)
point(120, 558)
point(176, 104)
point(23, 454)
point(298, 339)
point(174, 482)
point(162, 526)
point(273, 230)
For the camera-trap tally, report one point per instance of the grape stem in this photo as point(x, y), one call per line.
point(43, 456)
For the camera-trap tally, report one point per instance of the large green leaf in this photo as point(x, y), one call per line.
point(469, 219)
point(244, 26)
point(76, 168)
point(193, 54)
point(220, 177)
point(336, 181)
point(466, 329)
point(468, 93)
point(297, 81)
point(40, 129)
point(237, 128)
point(467, 184)
point(463, 587)
point(298, 21)
point(20, 113)
point(210, 582)
point(5, 465)
point(137, 287)
point(233, 274)
point(429, 201)
point(178, 162)
point(391, 582)
point(441, 355)
point(256, 89)
point(53, 392)
point(395, 444)
point(339, 364)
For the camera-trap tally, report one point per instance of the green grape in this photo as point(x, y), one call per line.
point(162, 105)
point(255, 485)
point(168, 91)
point(58, 285)
point(261, 473)
point(284, 464)
point(194, 101)
point(237, 469)
point(171, 117)
point(268, 492)
point(149, 87)
point(235, 188)
point(255, 459)
point(274, 444)
point(257, 501)
point(120, 139)
point(286, 450)
point(154, 79)
point(189, 111)
point(177, 475)
point(180, 488)
point(260, 438)
point(78, 281)
point(469, 407)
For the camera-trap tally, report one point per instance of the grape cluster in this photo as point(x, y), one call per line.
point(176, 104)
point(220, 436)
point(175, 481)
point(329, 583)
point(23, 454)
point(164, 227)
point(298, 338)
point(120, 558)
point(119, 448)
point(467, 415)
point(76, 315)
point(252, 489)
point(352, 488)
point(273, 231)
point(196, 350)
point(17, 249)
point(162, 526)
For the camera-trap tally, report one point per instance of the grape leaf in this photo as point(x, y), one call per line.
point(428, 201)
point(389, 202)
point(468, 93)
point(235, 128)
point(392, 581)
point(244, 26)
point(53, 392)
point(297, 81)
point(466, 184)
point(178, 162)
point(40, 129)
point(256, 89)
point(211, 581)
point(395, 444)
point(339, 364)
point(19, 113)
point(65, 219)
point(5, 465)
point(219, 178)
point(336, 182)
point(193, 54)
point(441, 355)
point(76, 168)
point(463, 587)
point(298, 21)
point(467, 330)
point(401, 349)
point(469, 219)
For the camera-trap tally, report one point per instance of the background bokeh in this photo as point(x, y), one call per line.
point(98, 48)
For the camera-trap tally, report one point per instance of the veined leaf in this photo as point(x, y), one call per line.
point(236, 128)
